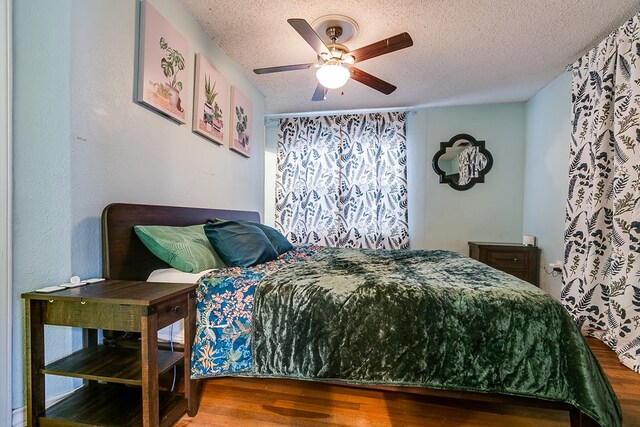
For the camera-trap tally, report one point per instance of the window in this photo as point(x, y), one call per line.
point(342, 181)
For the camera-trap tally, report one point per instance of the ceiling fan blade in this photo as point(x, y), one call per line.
point(382, 47)
point(308, 34)
point(371, 81)
point(320, 93)
point(282, 68)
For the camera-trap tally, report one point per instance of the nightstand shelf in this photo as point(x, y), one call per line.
point(110, 364)
point(127, 393)
point(109, 404)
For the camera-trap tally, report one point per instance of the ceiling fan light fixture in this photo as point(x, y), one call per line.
point(335, 60)
point(333, 75)
point(348, 59)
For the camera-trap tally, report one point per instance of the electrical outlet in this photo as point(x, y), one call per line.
point(556, 266)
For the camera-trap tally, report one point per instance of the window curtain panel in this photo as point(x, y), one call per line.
point(342, 181)
point(602, 249)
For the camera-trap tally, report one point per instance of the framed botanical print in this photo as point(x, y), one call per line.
point(209, 101)
point(241, 120)
point(162, 69)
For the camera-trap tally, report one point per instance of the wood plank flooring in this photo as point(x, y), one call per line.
point(248, 402)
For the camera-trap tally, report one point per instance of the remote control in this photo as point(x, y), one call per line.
point(50, 289)
point(73, 285)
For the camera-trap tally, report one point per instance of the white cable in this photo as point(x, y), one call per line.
point(173, 384)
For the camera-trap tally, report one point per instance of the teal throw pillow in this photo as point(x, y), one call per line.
point(184, 248)
point(277, 239)
point(240, 244)
point(279, 242)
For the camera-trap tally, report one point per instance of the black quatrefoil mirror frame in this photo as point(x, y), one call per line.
point(478, 167)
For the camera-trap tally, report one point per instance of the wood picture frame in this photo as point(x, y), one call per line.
point(241, 122)
point(209, 101)
point(163, 72)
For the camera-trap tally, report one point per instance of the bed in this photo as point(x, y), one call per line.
point(299, 331)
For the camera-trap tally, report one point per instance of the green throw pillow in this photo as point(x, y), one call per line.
point(184, 248)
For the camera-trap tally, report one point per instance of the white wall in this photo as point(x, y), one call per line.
point(443, 218)
point(419, 171)
point(42, 199)
point(5, 213)
point(546, 172)
point(439, 216)
point(82, 142)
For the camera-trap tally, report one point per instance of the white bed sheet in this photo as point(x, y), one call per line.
point(174, 333)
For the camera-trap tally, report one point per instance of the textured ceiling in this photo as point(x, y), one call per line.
point(464, 52)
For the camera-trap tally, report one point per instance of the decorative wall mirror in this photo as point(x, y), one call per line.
point(462, 161)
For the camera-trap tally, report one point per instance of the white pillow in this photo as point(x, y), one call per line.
point(173, 275)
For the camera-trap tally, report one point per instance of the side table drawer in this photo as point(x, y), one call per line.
point(172, 310)
point(93, 315)
point(510, 260)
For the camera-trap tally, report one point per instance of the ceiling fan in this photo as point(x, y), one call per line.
point(335, 60)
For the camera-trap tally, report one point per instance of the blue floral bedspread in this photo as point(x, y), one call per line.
point(224, 311)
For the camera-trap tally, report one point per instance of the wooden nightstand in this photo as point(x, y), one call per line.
point(121, 384)
point(516, 259)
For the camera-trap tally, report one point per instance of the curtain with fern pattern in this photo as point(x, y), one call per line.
point(342, 180)
point(601, 277)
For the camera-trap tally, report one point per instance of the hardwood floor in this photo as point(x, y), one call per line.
point(245, 402)
point(625, 382)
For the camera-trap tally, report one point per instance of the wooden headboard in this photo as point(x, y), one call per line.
point(124, 257)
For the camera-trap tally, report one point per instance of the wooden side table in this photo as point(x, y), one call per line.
point(513, 258)
point(121, 384)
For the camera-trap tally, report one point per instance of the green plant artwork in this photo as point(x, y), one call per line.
point(217, 112)
point(241, 126)
point(241, 122)
point(172, 63)
point(209, 90)
point(210, 95)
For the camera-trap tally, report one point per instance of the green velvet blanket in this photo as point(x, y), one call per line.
point(424, 318)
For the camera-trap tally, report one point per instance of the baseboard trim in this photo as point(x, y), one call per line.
point(19, 416)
